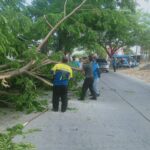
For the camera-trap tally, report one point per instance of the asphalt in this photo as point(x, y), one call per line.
point(118, 120)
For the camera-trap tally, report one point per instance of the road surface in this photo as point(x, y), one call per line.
point(118, 120)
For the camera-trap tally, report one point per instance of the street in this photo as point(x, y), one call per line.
point(118, 120)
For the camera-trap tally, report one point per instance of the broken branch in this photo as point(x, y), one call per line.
point(16, 72)
point(58, 24)
point(65, 8)
point(48, 22)
point(39, 78)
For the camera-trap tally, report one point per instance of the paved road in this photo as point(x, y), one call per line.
point(118, 120)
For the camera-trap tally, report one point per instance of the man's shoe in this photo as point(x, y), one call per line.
point(55, 110)
point(63, 110)
point(80, 99)
point(93, 98)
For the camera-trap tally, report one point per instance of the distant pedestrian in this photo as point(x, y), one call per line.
point(61, 73)
point(88, 81)
point(114, 63)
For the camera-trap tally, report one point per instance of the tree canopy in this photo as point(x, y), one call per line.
point(105, 24)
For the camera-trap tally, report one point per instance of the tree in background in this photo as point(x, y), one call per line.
point(144, 38)
point(110, 24)
point(13, 24)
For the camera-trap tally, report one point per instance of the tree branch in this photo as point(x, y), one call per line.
point(58, 24)
point(45, 62)
point(3, 66)
point(16, 72)
point(39, 78)
point(65, 7)
point(48, 22)
point(3, 71)
point(9, 93)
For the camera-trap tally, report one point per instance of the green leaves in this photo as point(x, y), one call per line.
point(144, 35)
point(13, 22)
point(27, 99)
point(7, 143)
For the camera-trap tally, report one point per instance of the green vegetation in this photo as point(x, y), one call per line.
point(6, 139)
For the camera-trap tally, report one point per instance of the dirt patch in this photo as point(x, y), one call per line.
point(145, 67)
point(142, 72)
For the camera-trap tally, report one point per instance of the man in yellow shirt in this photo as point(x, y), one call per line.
point(62, 74)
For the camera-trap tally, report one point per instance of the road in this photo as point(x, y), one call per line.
point(118, 120)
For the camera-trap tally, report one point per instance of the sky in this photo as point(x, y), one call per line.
point(143, 4)
point(28, 1)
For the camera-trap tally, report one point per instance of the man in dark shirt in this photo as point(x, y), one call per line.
point(88, 81)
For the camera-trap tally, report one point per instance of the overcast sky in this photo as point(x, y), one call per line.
point(143, 4)
point(28, 1)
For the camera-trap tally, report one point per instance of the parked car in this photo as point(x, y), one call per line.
point(123, 63)
point(103, 64)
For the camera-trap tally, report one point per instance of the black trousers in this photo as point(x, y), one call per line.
point(114, 67)
point(60, 93)
point(88, 83)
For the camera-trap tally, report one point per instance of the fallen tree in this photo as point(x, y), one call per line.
point(30, 71)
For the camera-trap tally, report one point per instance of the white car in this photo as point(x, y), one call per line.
point(103, 64)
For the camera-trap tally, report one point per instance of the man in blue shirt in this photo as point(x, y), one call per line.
point(96, 74)
point(61, 73)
